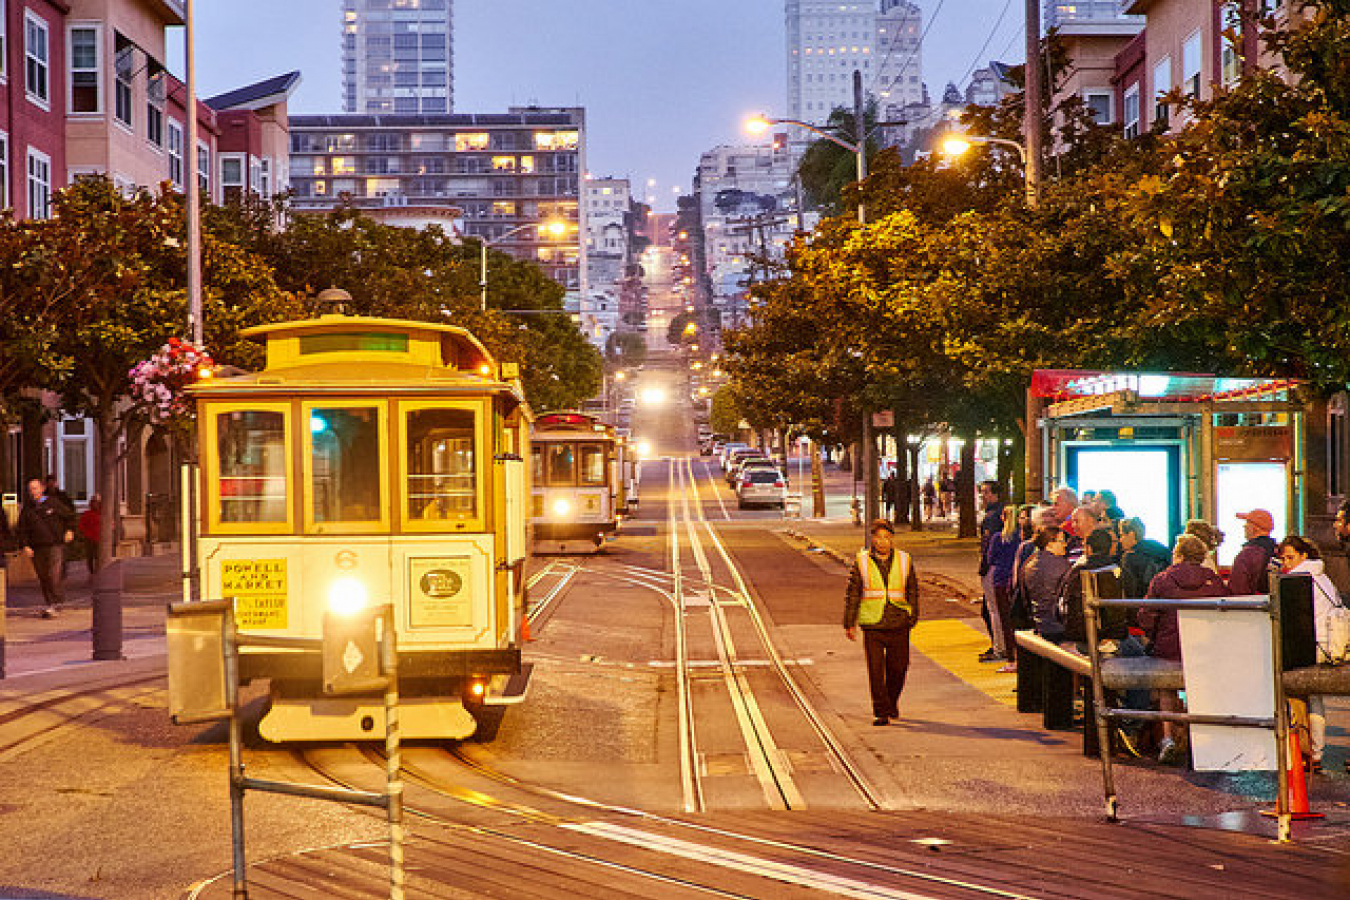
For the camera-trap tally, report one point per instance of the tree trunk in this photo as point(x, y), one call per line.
point(106, 480)
point(902, 481)
point(965, 489)
point(915, 494)
point(817, 483)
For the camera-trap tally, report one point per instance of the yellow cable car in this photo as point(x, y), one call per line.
point(374, 459)
point(578, 485)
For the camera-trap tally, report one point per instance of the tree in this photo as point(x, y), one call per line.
point(724, 415)
point(108, 273)
point(626, 348)
point(427, 275)
point(827, 169)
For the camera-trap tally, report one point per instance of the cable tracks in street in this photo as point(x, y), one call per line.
point(29, 720)
point(770, 765)
point(651, 847)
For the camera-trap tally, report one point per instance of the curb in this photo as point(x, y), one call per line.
point(813, 547)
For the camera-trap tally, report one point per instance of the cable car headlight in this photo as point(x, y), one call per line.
point(347, 595)
point(644, 449)
point(562, 507)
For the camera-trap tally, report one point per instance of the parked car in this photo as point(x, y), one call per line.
point(730, 447)
point(762, 486)
point(734, 461)
point(753, 464)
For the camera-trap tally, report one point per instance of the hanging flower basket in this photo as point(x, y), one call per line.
point(159, 383)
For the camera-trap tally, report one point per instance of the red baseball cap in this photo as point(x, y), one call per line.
point(1261, 518)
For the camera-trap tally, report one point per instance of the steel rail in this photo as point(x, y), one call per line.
point(766, 760)
point(691, 784)
point(534, 815)
point(832, 744)
point(65, 697)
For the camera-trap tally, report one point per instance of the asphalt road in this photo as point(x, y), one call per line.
point(655, 688)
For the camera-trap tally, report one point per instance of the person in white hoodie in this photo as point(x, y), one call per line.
point(1297, 555)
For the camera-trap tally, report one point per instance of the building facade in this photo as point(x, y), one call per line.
point(254, 138)
point(510, 173)
point(747, 206)
point(397, 56)
point(826, 41)
point(33, 109)
point(608, 213)
point(899, 58)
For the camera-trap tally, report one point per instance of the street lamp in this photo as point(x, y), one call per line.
point(758, 125)
point(956, 144)
point(556, 229)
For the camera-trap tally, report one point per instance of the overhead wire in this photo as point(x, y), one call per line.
point(985, 46)
point(917, 47)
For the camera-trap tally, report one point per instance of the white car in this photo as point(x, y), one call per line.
point(762, 486)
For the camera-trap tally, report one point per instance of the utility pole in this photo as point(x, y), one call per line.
point(871, 501)
point(1033, 102)
point(192, 192)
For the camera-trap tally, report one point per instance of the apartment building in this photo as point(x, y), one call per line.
point(898, 81)
point(32, 106)
point(1183, 47)
point(746, 205)
point(608, 208)
point(254, 138)
point(505, 171)
point(397, 56)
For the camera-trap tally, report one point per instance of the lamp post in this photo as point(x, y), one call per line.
point(757, 125)
point(556, 229)
point(958, 144)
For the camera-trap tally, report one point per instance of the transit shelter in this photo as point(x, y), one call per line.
point(1173, 447)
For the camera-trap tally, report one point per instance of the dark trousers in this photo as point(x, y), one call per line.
point(91, 555)
point(47, 565)
point(887, 651)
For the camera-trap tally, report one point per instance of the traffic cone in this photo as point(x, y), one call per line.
point(1298, 784)
point(525, 630)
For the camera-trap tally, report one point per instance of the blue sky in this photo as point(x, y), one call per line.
point(662, 80)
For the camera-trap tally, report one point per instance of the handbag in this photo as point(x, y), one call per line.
point(1333, 632)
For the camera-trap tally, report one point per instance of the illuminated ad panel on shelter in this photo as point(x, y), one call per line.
point(1241, 487)
point(1144, 479)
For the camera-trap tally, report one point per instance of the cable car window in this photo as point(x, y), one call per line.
point(592, 464)
point(442, 481)
point(562, 464)
point(345, 464)
point(537, 465)
point(251, 447)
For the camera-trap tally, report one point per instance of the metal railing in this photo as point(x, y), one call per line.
point(203, 649)
point(1104, 715)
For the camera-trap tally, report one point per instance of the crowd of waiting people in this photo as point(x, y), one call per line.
point(1031, 558)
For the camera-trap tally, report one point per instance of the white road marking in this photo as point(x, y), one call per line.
point(743, 862)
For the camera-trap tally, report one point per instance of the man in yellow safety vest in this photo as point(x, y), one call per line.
point(883, 597)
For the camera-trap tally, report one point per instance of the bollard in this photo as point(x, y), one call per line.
point(107, 618)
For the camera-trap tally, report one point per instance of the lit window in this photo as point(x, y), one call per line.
point(477, 140)
point(503, 163)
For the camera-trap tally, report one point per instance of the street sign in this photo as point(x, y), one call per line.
point(883, 419)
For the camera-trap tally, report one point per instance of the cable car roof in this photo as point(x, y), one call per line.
point(339, 353)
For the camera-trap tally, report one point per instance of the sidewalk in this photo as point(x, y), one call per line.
point(936, 549)
point(38, 650)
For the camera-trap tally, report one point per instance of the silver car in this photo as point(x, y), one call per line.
point(762, 486)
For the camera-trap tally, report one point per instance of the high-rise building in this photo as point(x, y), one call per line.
point(899, 57)
point(396, 56)
point(826, 41)
point(508, 174)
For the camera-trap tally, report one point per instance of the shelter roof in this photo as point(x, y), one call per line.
point(1071, 384)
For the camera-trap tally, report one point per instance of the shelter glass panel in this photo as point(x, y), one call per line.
point(442, 465)
point(251, 449)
